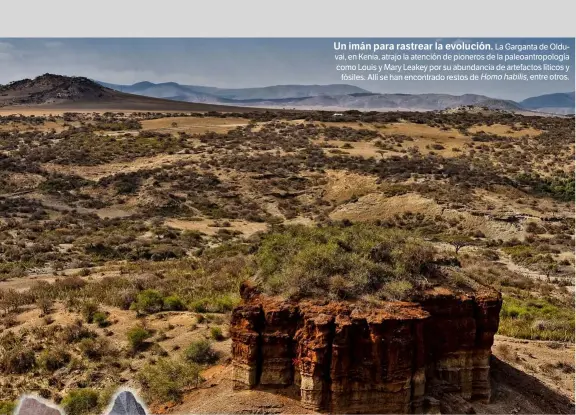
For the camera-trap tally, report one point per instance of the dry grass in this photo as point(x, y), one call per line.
point(46, 126)
point(343, 185)
point(505, 130)
point(364, 149)
point(194, 125)
point(420, 131)
point(102, 170)
point(210, 227)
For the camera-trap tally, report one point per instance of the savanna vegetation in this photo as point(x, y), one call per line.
point(127, 244)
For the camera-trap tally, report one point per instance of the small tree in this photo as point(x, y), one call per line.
point(548, 267)
point(458, 241)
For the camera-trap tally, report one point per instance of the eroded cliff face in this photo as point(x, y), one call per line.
point(387, 358)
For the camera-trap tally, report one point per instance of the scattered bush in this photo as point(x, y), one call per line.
point(51, 360)
point(168, 379)
point(80, 401)
point(346, 262)
point(7, 407)
point(76, 332)
point(17, 361)
point(216, 333)
point(395, 290)
point(137, 337)
point(148, 301)
point(89, 309)
point(45, 305)
point(101, 319)
point(536, 319)
point(173, 303)
point(201, 352)
point(95, 349)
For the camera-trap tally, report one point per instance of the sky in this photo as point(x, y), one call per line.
point(233, 63)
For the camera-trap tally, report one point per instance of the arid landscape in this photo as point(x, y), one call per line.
point(129, 225)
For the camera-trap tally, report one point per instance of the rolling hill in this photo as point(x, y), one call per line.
point(562, 103)
point(56, 91)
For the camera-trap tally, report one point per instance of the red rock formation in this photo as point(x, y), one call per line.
point(346, 358)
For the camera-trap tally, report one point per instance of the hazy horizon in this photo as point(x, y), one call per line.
point(232, 63)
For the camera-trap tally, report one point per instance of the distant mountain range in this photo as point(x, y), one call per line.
point(213, 94)
point(562, 103)
point(339, 96)
point(57, 90)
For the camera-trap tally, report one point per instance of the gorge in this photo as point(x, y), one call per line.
point(393, 357)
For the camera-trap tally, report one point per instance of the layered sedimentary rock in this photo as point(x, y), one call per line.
point(347, 358)
point(459, 335)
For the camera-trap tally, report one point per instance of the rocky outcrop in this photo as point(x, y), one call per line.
point(385, 358)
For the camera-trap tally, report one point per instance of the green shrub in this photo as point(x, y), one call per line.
point(216, 333)
point(148, 301)
point(537, 319)
point(201, 352)
point(341, 261)
point(94, 348)
point(7, 407)
point(17, 361)
point(173, 303)
point(101, 319)
point(200, 306)
point(51, 360)
point(80, 401)
point(45, 305)
point(220, 304)
point(137, 337)
point(88, 311)
point(226, 303)
point(167, 379)
point(395, 290)
point(76, 332)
